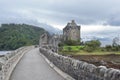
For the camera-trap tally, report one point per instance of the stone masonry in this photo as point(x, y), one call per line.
point(71, 32)
point(11, 61)
point(81, 70)
point(44, 39)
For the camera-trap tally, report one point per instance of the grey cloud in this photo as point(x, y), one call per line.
point(105, 12)
point(60, 11)
point(115, 21)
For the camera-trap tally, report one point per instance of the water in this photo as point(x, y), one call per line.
point(4, 52)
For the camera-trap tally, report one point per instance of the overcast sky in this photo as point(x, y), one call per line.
point(100, 18)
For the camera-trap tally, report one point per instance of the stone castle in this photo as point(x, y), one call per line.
point(71, 32)
point(77, 69)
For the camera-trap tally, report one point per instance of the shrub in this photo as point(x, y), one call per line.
point(71, 43)
point(69, 48)
point(92, 45)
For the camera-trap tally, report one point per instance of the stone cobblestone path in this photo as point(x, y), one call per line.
point(33, 67)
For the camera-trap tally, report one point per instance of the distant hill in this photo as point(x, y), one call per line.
point(50, 29)
point(13, 36)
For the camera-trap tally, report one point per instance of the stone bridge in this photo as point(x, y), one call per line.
point(30, 63)
point(27, 63)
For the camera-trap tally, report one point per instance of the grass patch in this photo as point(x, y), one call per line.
point(96, 53)
point(79, 50)
point(87, 53)
point(72, 48)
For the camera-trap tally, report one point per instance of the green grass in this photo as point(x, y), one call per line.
point(72, 48)
point(95, 53)
point(82, 52)
point(78, 50)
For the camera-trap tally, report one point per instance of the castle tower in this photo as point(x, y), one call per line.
point(71, 32)
point(44, 39)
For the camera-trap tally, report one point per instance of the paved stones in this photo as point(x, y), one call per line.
point(33, 67)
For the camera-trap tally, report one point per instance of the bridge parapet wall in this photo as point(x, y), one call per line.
point(81, 70)
point(11, 61)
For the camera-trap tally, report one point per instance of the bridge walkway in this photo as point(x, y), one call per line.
point(33, 67)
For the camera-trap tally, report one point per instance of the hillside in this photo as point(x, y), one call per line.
point(13, 36)
point(49, 28)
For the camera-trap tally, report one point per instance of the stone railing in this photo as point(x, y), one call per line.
point(81, 70)
point(11, 61)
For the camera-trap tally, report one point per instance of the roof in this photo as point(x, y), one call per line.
point(72, 24)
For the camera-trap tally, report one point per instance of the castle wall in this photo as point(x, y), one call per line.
point(43, 39)
point(71, 32)
point(75, 34)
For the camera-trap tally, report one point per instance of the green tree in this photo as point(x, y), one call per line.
point(13, 36)
point(69, 48)
point(108, 47)
point(92, 45)
point(115, 45)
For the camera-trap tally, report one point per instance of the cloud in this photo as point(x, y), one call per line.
point(99, 18)
point(114, 21)
point(101, 32)
point(60, 11)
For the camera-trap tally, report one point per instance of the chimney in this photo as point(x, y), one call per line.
point(73, 21)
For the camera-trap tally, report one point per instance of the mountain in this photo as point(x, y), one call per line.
point(50, 28)
point(47, 27)
point(13, 36)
